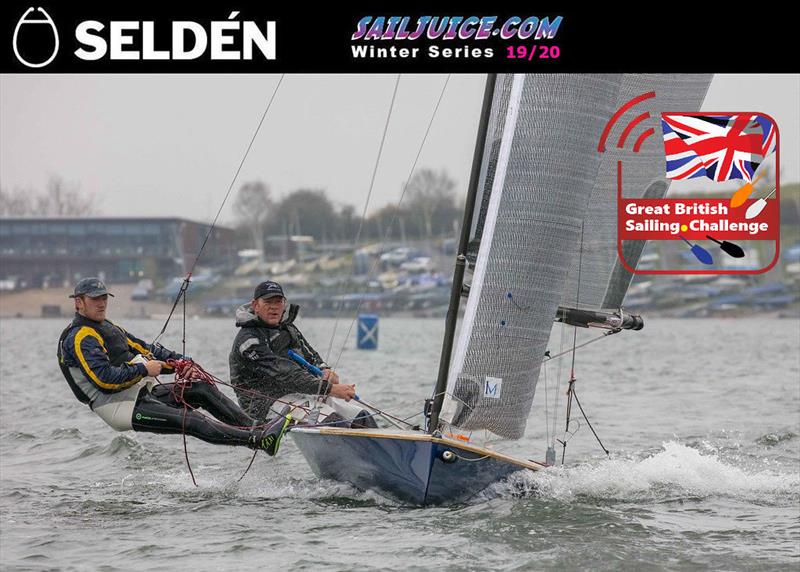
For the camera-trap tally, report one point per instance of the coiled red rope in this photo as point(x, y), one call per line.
point(188, 372)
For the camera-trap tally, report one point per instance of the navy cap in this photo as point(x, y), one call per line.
point(268, 289)
point(91, 287)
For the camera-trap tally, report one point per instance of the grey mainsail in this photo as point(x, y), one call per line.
point(548, 207)
point(491, 152)
point(546, 169)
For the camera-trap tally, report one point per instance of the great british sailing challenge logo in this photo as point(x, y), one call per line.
point(456, 37)
point(35, 38)
point(728, 226)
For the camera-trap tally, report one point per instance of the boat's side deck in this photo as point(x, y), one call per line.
point(422, 436)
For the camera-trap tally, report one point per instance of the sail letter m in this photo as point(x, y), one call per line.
point(492, 387)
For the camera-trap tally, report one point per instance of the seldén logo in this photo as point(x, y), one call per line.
point(36, 40)
point(38, 36)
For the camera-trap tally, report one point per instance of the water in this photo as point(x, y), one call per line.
point(702, 418)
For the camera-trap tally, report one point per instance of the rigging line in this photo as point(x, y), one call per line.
point(180, 399)
point(570, 393)
point(577, 296)
point(586, 343)
point(206, 376)
point(381, 412)
point(340, 304)
point(391, 418)
point(183, 345)
point(589, 423)
point(408, 403)
point(186, 280)
point(558, 378)
point(570, 390)
point(455, 398)
point(185, 448)
point(395, 214)
point(546, 406)
point(250, 464)
point(405, 419)
point(470, 460)
point(255, 393)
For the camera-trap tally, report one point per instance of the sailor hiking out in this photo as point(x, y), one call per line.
point(113, 372)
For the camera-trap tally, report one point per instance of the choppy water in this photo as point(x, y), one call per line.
point(702, 417)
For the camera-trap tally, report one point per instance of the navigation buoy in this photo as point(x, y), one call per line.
point(728, 247)
point(37, 40)
point(755, 209)
point(699, 252)
point(367, 332)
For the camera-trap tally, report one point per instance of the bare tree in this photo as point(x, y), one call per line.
point(16, 202)
point(431, 194)
point(252, 207)
point(388, 222)
point(306, 211)
point(61, 199)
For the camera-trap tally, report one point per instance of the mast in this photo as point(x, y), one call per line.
point(461, 259)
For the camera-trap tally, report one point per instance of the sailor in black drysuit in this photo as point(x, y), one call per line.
point(99, 361)
point(262, 372)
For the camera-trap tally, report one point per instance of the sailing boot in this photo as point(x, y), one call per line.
point(269, 438)
point(333, 419)
point(364, 420)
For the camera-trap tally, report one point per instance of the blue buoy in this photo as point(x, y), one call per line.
point(367, 332)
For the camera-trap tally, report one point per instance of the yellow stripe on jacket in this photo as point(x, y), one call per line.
point(84, 332)
point(139, 348)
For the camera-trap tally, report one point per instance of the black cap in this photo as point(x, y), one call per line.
point(268, 289)
point(91, 287)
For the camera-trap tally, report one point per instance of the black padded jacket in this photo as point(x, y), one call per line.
point(259, 362)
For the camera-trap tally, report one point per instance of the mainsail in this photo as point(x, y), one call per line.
point(547, 206)
point(491, 152)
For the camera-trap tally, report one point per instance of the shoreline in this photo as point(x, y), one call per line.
point(28, 304)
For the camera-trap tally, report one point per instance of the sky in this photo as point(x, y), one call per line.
point(169, 145)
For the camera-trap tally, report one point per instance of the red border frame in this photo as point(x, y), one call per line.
point(777, 197)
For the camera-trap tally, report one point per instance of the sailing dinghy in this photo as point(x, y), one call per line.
point(539, 236)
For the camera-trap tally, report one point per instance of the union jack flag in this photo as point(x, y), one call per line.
point(720, 147)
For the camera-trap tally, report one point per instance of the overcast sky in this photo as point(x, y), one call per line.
point(169, 145)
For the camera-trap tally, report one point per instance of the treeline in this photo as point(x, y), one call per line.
point(429, 209)
point(58, 199)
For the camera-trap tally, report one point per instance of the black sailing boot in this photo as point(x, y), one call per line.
point(364, 420)
point(269, 438)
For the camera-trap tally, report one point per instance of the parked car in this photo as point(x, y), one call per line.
point(418, 264)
